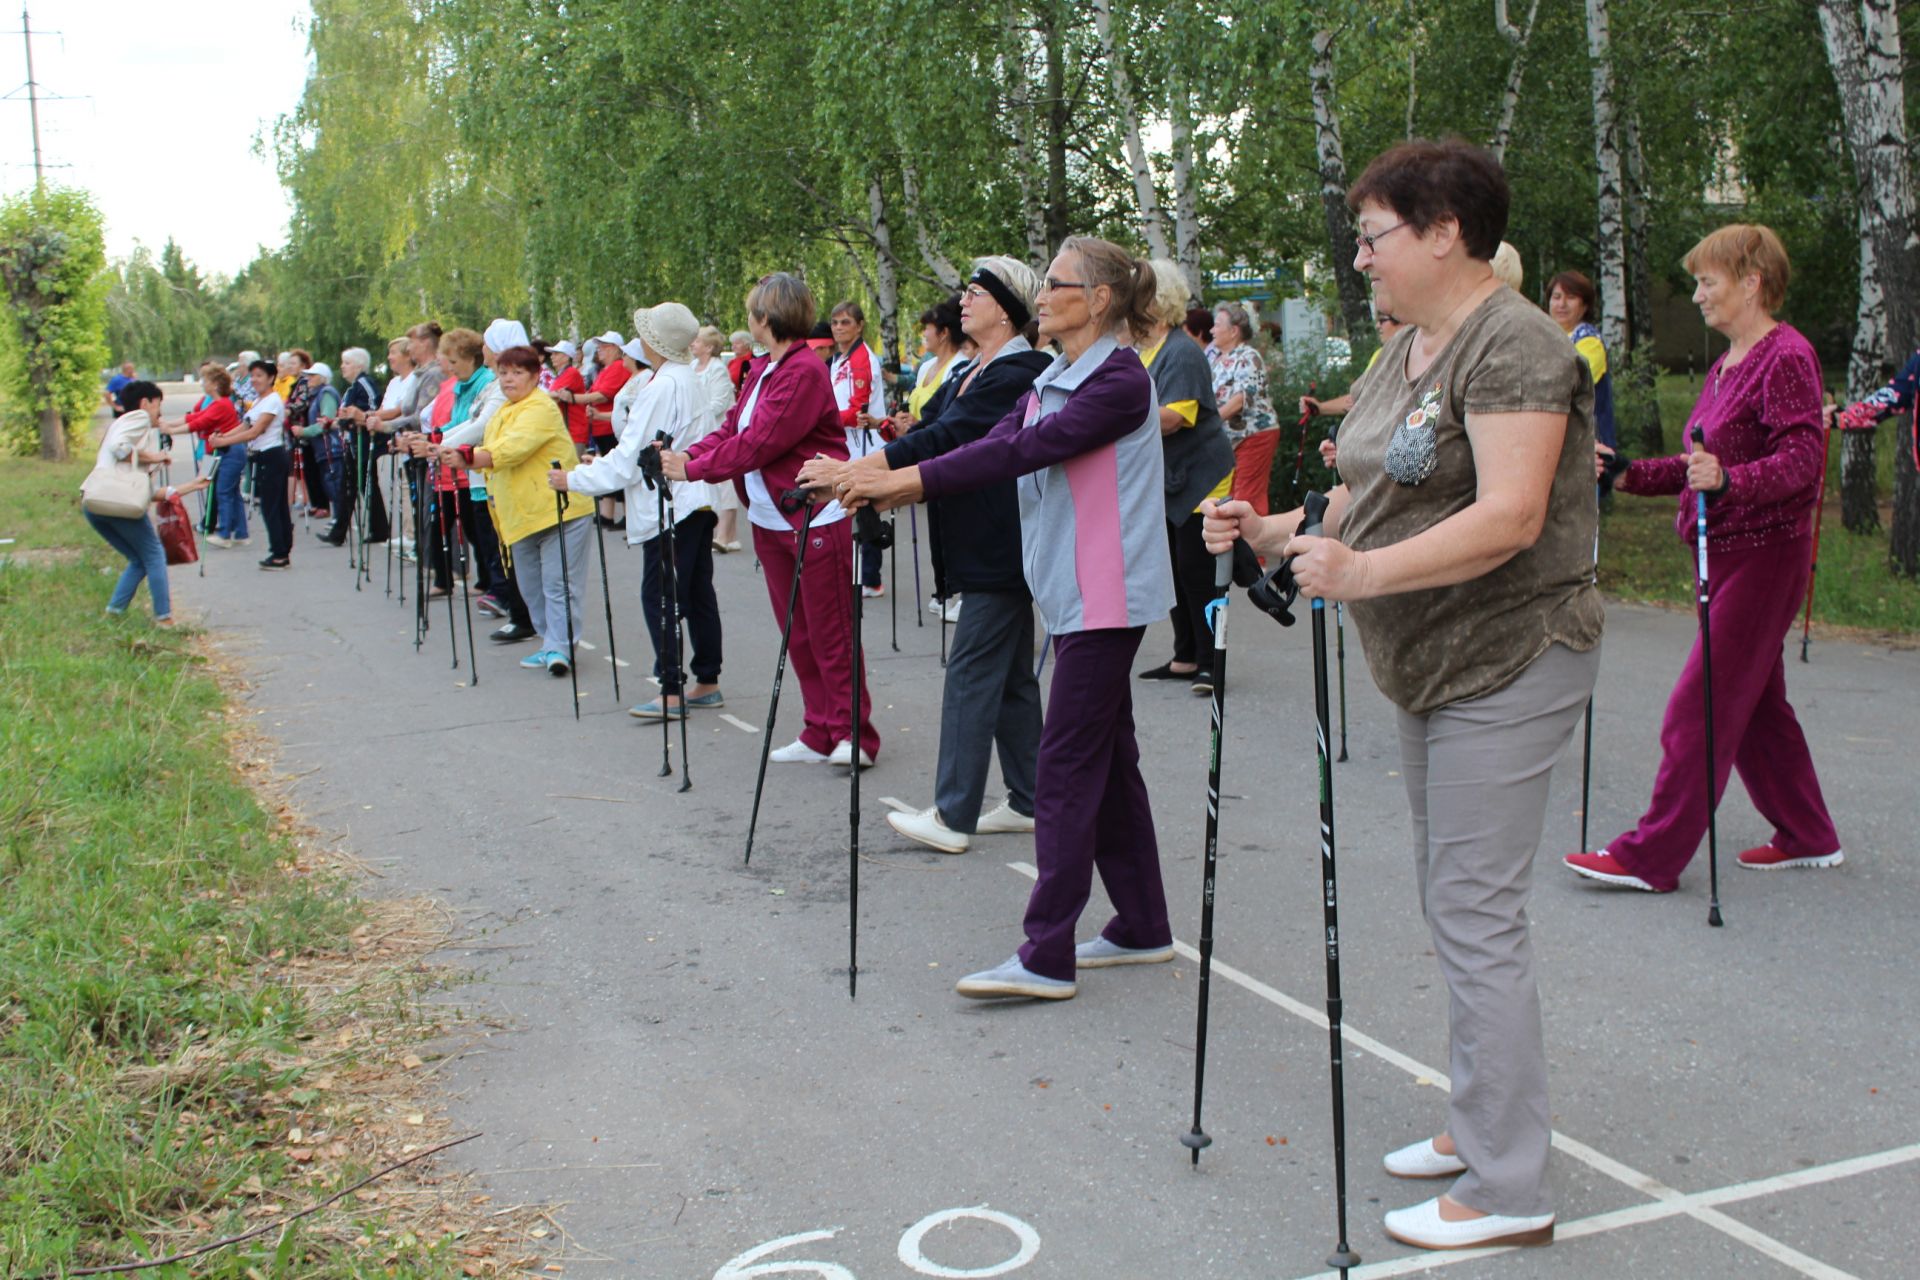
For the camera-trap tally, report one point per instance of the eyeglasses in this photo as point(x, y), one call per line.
point(1050, 284)
point(1367, 242)
point(973, 293)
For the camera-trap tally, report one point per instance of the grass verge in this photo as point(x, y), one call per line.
point(201, 1029)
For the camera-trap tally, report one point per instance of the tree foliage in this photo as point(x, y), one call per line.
point(53, 345)
point(159, 314)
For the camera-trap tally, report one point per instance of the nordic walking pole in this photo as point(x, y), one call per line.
point(1340, 660)
point(1586, 757)
point(419, 487)
point(1342, 1257)
point(893, 587)
point(1706, 686)
point(1046, 643)
point(913, 531)
point(665, 578)
point(670, 530)
point(394, 523)
point(448, 517)
point(1197, 1139)
point(466, 600)
point(780, 660)
point(867, 527)
point(566, 590)
point(1306, 417)
point(1813, 572)
point(606, 594)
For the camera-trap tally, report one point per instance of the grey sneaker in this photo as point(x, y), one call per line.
point(1012, 978)
point(1098, 953)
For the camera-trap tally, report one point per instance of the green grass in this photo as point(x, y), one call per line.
point(146, 1047)
point(40, 502)
point(1642, 559)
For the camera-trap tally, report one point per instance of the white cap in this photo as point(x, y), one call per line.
point(502, 334)
point(320, 371)
point(633, 348)
point(613, 336)
point(566, 349)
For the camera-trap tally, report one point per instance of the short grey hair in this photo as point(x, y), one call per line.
point(356, 355)
point(739, 336)
point(1236, 315)
point(1016, 275)
point(1170, 293)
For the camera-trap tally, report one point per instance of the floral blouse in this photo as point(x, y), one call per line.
point(1241, 371)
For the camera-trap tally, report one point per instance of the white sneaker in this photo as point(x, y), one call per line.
point(1011, 978)
point(796, 752)
point(1423, 1160)
point(927, 828)
point(952, 608)
point(215, 540)
point(1422, 1227)
point(843, 755)
point(1003, 820)
point(1098, 953)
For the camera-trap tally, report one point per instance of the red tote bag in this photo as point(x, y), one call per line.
point(175, 527)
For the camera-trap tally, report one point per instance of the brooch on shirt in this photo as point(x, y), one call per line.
point(1412, 453)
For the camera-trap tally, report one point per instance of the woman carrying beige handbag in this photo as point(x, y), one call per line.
point(122, 481)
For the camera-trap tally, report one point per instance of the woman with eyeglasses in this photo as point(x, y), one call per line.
point(1083, 449)
point(1461, 537)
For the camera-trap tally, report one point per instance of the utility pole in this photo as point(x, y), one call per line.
point(33, 102)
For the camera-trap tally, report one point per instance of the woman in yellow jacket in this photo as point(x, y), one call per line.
point(523, 441)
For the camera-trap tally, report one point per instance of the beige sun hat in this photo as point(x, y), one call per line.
point(668, 328)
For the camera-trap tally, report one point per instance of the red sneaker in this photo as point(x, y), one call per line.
point(1768, 858)
point(1599, 865)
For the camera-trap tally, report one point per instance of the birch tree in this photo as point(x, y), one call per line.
point(1866, 367)
point(1332, 164)
point(1608, 201)
point(1153, 225)
point(1638, 369)
point(1518, 37)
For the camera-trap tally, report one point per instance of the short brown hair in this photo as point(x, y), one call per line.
point(462, 343)
point(425, 329)
point(222, 380)
point(1575, 285)
point(784, 304)
point(1745, 249)
point(1425, 182)
point(525, 359)
point(848, 308)
point(304, 356)
point(1130, 279)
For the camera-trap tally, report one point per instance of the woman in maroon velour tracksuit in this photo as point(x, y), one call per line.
point(1759, 413)
point(785, 415)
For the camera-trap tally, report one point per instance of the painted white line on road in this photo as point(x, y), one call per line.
point(619, 662)
point(584, 644)
point(739, 724)
point(900, 806)
point(1666, 1197)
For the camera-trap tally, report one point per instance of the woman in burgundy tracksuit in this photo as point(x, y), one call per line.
point(785, 415)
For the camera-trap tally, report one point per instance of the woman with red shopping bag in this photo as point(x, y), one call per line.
point(128, 445)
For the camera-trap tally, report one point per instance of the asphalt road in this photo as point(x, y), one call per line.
point(685, 1071)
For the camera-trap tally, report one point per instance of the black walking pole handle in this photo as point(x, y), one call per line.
point(1276, 590)
point(1316, 515)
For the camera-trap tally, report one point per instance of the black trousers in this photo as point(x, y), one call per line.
point(346, 486)
point(693, 560)
point(1192, 591)
point(271, 467)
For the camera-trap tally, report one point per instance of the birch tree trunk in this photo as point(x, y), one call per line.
point(1863, 48)
point(1866, 369)
point(1186, 214)
point(1153, 224)
point(1033, 216)
point(886, 271)
point(1518, 37)
point(1643, 401)
point(1059, 120)
point(937, 262)
point(1607, 197)
point(1333, 189)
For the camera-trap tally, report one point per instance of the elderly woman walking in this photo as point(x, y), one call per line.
point(785, 416)
point(1199, 466)
point(1083, 448)
point(1462, 538)
point(1759, 463)
point(1246, 407)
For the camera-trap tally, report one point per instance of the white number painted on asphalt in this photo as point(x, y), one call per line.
point(748, 1265)
point(911, 1255)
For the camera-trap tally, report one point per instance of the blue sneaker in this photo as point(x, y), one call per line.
point(536, 661)
point(1012, 978)
point(708, 701)
point(556, 663)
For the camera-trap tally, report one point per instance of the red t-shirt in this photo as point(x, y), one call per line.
point(213, 418)
point(608, 383)
point(570, 380)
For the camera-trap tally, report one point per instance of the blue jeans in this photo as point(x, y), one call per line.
point(136, 540)
point(229, 506)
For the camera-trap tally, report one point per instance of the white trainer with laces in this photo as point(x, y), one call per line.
point(929, 830)
point(1003, 819)
point(796, 752)
point(843, 755)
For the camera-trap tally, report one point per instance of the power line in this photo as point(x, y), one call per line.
point(34, 96)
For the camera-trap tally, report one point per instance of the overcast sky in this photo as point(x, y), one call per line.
point(165, 99)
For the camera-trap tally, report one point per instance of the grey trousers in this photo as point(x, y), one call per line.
point(991, 697)
point(536, 566)
point(1477, 775)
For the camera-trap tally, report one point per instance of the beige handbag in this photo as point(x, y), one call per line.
point(119, 490)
